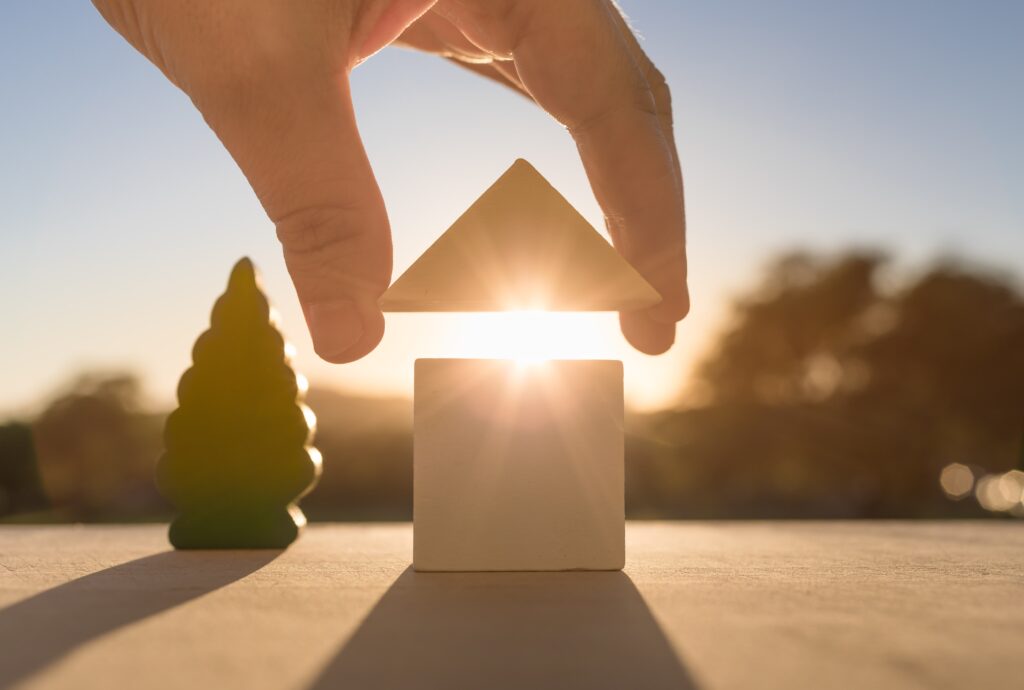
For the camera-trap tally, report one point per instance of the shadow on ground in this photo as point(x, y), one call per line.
point(508, 630)
point(42, 629)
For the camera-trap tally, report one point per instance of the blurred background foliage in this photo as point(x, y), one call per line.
point(840, 388)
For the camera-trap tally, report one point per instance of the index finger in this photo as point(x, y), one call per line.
point(578, 60)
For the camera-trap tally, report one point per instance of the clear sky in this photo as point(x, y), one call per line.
point(800, 124)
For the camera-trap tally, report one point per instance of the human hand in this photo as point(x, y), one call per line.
point(270, 77)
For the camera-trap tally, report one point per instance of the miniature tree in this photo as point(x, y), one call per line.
point(238, 453)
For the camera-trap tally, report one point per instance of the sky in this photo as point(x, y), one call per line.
point(817, 125)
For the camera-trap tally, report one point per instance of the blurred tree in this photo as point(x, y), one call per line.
point(830, 396)
point(97, 449)
point(20, 488)
point(834, 392)
point(788, 336)
point(367, 455)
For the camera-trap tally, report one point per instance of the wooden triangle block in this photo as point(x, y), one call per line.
point(521, 245)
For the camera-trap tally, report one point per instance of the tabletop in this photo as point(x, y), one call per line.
point(699, 605)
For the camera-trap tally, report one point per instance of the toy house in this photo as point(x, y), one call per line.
point(518, 467)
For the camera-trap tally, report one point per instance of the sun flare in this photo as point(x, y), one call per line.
point(530, 336)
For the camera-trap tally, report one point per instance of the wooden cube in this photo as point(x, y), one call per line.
point(518, 466)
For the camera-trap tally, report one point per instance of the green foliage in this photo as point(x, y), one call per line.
point(96, 449)
point(238, 453)
point(20, 487)
point(835, 394)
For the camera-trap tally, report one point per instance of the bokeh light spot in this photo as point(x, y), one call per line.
point(957, 480)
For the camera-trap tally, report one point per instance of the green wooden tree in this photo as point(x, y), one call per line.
point(238, 453)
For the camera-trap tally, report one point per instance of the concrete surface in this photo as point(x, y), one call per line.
point(699, 605)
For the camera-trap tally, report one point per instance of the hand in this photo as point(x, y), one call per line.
point(271, 78)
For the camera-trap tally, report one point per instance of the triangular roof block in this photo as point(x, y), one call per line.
point(521, 245)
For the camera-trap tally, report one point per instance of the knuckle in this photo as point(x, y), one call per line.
point(316, 230)
point(639, 102)
point(508, 22)
point(660, 90)
point(332, 250)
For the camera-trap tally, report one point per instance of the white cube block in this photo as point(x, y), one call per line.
point(518, 466)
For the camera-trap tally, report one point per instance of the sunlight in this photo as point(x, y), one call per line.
point(532, 336)
point(527, 336)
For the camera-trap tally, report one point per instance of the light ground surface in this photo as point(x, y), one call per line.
point(700, 605)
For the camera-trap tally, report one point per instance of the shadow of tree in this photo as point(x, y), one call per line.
point(47, 626)
point(508, 630)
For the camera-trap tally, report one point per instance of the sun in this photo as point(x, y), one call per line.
point(530, 336)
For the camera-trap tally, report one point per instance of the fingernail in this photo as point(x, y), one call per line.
point(335, 327)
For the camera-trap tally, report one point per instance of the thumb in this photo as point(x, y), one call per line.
point(295, 138)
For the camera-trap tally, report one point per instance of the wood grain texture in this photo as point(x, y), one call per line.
point(708, 605)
